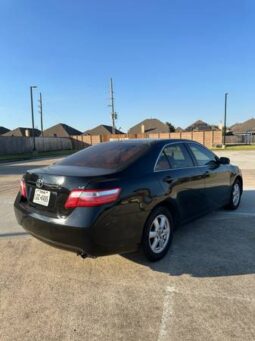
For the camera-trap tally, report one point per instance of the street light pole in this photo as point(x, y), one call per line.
point(41, 112)
point(32, 114)
point(225, 119)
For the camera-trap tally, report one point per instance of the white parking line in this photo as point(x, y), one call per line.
point(167, 313)
point(212, 295)
point(165, 328)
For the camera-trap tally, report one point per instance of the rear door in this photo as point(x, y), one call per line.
point(182, 181)
point(217, 176)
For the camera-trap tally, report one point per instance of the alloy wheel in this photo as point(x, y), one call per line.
point(159, 233)
point(236, 194)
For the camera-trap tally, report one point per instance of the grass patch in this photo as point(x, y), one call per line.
point(36, 155)
point(237, 148)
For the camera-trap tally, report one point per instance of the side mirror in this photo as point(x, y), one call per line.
point(224, 161)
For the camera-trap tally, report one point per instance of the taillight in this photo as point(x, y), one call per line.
point(23, 188)
point(91, 197)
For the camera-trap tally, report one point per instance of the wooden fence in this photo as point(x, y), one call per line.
point(208, 138)
point(20, 144)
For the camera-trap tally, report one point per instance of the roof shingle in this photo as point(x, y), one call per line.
point(22, 131)
point(3, 130)
point(102, 129)
point(61, 130)
point(199, 125)
point(151, 125)
point(244, 127)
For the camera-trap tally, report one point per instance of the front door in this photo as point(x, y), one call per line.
point(217, 177)
point(182, 181)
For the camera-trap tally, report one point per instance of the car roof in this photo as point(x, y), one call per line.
point(151, 141)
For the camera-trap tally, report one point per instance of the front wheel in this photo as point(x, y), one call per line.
point(158, 234)
point(235, 198)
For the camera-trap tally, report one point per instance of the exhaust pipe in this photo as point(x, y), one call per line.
point(82, 254)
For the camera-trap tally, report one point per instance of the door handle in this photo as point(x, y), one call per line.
point(168, 179)
point(205, 175)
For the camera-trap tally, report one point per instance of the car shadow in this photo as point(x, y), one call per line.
point(220, 244)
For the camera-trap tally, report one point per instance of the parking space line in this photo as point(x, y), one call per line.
point(167, 313)
point(222, 296)
point(168, 308)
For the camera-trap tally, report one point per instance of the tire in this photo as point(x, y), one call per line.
point(235, 197)
point(158, 234)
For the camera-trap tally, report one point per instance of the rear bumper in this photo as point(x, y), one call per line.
point(62, 236)
point(107, 234)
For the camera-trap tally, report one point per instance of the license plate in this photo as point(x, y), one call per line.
point(41, 197)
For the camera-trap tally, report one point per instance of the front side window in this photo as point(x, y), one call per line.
point(174, 156)
point(201, 154)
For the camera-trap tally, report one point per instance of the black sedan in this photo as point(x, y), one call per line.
point(115, 197)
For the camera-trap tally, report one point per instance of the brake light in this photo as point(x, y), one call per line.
point(91, 197)
point(23, 188)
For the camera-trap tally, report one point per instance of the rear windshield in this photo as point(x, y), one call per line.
point(110, 155)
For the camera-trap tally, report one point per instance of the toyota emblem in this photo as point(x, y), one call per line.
point(39, 183)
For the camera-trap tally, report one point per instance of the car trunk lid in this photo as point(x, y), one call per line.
point(53, 184)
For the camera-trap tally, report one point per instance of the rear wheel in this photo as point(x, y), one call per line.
point(236, 193)
point(158, 234)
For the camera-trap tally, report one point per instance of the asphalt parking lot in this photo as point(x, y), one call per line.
point(204, 289)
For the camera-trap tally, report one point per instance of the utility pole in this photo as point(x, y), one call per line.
point(113, 113)
point(225, 119)
point(32, 114)
point(41, 112)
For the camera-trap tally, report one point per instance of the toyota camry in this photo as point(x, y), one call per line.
point(118, 196)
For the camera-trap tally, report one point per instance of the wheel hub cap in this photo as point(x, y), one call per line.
point(159, 233)
point(236, 194)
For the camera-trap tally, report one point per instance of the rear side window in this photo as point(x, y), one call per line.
point(201, 154)
point(162, 163)
point(178, 156)
point(174, 156)
point(110, 155)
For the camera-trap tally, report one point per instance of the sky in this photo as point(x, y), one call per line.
point(169, 59)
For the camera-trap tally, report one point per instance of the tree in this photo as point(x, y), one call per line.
point(171, 127)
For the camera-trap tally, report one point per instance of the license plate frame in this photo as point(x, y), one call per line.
point(41, 197)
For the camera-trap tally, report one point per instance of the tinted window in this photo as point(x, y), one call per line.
point(174, 156)
point(202, 155)
point(162, 163)
point(178, 156)
point(111, 155)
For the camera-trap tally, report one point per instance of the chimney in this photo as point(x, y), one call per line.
point(142, 128)
point(27, 133)
point(220, 126)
